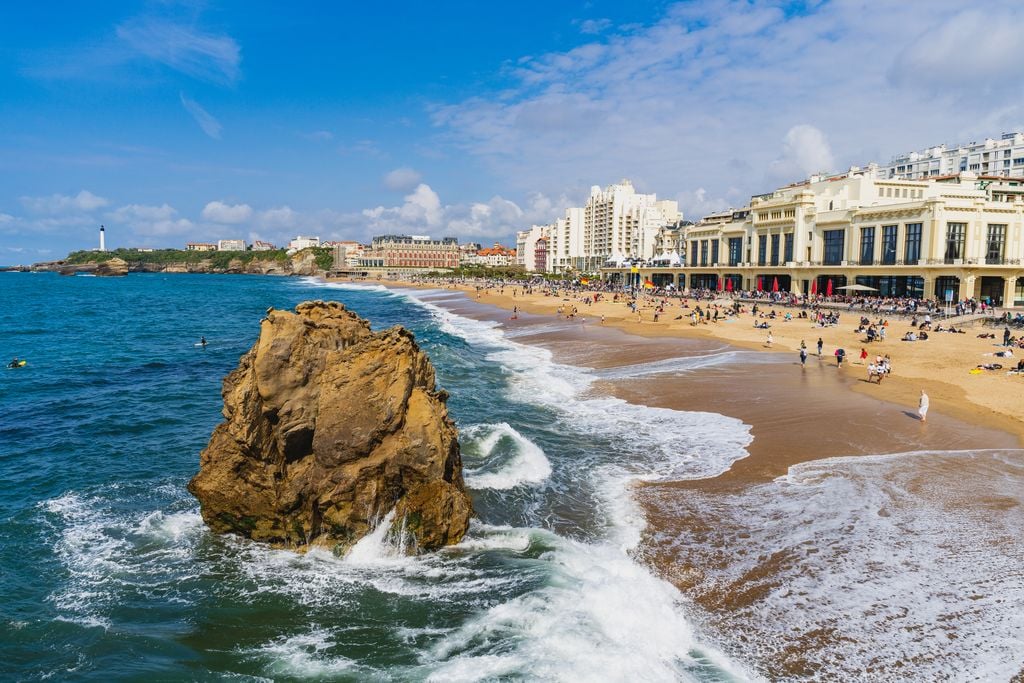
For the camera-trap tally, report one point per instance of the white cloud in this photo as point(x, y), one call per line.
point(319, 136)
point(422, 212)
point(594, 26)
point(804, 151)
point(206, 121)
point(219, 212)
point(151, 220)
point(736, 97)
point(402, 179)
point(278, 218)
point(59, 203)
point(205, 56)
point(966, 50)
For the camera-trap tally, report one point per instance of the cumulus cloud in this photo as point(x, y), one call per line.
point(149, 220)
point(210, 125)
point(402, 179)
point(278, 218)
point(207, 56)
point(734, 96)
point(423, 212)
point(59, 203)
point(219, 212)
point(804, 151)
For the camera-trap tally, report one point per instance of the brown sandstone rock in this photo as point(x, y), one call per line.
point(113, 267)
point(328, 427)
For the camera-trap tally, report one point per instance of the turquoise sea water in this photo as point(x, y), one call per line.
point(109, 573)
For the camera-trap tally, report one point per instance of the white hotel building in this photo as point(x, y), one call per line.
point(960, 235)
point(617, 223)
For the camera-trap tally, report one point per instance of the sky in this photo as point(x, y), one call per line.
point(170, 121)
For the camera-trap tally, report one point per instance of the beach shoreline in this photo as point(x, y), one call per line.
point(991, 399)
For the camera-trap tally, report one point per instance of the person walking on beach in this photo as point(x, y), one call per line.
point(803, 355)
point(863, 355)
point(840, 356)
point(770, 340)
point(820, 344)
point(922, 406)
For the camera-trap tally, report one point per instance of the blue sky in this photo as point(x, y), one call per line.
point(175, 121)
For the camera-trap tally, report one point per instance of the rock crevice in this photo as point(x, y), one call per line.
point(328, 427)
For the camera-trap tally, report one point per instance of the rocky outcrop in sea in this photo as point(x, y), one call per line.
point(328, 428)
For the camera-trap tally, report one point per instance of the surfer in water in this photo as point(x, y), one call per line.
point(16, 363)
point(202, 342)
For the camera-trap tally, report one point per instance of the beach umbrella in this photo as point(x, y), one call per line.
point(760, 284)
point(775, 284)
point(814, 286)
point(718, 284)
point(728, 284)
point(828, 289)
point(858, 288)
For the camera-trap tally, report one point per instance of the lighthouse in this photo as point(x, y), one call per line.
point(103, 240)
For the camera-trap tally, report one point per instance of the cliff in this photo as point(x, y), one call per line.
point(313, 261)
point(328, 427)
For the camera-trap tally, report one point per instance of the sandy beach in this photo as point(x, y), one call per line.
point(848, 509)
point(940, 366)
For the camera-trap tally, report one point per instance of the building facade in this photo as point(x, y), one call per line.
point(958, 237)
point(411, 253)
point(620, 223)
point(527, 242)
point(302, 242)
point(1002, 157)
point(200, 246)
point(260, 245)
point(230, 245)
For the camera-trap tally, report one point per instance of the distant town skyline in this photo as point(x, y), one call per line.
point(173, 122)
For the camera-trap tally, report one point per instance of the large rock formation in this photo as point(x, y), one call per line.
point(112, 268)
point(328, 427)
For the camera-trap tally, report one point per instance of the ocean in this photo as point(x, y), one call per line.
point(108, 572)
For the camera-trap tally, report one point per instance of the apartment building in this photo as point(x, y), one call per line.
point(528, 244)
point(1002, 157)
point(619, 223)
point(230, 245)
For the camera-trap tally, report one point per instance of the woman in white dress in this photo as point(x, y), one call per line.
point(922, 406)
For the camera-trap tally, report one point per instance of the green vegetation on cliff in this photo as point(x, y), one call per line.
point(216, 259)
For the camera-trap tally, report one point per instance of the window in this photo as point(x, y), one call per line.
point(1018, 162)
point(703, 252)
point(912, 248)
point(867, 246)
point(889, 233)
point(775, 250)
point(834, 243)
point(996, 240)
point(714, 251)
point(693, 252)
point(789, 248)
point(955, 235)
point(735, 250)
point(762, 249)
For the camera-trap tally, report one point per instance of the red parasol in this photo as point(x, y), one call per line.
point(775, 284)
point(760, 284)
point(828, 289)
point(814, 286)
point(718, 284)
point(728, 284)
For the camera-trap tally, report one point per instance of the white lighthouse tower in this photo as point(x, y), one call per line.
point(103, 240)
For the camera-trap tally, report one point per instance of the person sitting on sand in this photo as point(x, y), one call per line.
point(924, 336)
point(909, 336)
